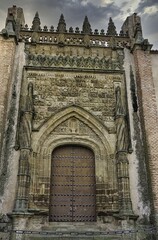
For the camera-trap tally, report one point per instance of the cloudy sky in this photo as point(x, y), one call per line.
point(98, 12)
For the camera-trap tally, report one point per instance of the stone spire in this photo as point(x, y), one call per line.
point(111, 28)
point(36, 23)
point(86, 28)
point(61, 25)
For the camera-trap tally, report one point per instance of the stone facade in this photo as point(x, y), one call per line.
point(72, 88)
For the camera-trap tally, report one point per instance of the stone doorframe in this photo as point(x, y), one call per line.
point(95, 136)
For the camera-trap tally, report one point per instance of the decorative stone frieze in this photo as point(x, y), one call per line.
point(74, 62)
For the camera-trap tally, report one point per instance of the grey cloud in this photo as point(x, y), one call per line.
point(146, 3)
point(149, 24)
point(74, 12)
point(98, 16)
point(129, 10)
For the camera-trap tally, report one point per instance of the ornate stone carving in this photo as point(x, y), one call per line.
point(61, 39)
point(87, 40)
point(121, 156)
point(35, 27)
point(74, 62)
point(92, 92)
point(74, 126)
point(35, 37)
point(24, 141)
point(5, 226)
point(121, 128)
point(61, 25)
point(25, 120)
point(36, 23)
point(79, 128)
point(86, 29)
point(111, 28)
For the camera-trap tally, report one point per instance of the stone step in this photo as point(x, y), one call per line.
point(74, 238)
point(74, 231)
point(69, 232)
point(71, 226)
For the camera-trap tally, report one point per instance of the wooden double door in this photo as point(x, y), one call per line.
point(72, 191)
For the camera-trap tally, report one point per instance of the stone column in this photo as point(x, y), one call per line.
point(125, 205)
point(24, 139)
point(23, 180)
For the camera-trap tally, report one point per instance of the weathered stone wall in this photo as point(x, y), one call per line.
point(54, 91)
point(148, 114)
point(137, 163)
point(7, 52)
point(10, 157)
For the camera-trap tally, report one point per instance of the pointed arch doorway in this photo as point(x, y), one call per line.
point(73, 188)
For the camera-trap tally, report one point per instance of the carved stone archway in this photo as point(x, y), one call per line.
point(74, 126)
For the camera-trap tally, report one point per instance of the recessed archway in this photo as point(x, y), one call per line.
point(87, 131)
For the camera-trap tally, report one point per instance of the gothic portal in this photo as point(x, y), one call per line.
point(78, 131)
